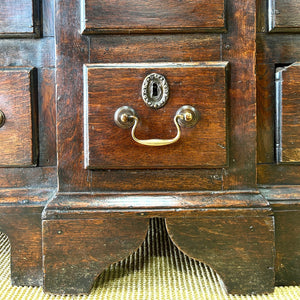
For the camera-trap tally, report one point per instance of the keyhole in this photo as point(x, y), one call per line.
point(154, 90)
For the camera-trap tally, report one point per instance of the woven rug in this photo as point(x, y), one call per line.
point(157, 270)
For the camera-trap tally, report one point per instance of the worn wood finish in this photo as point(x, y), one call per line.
point(288, 114)
point(265, 113)
point(156, 180)
point(285, 201)
point(201, 85)
point(273, 50)
point(155, 48)
point(18, 135)
point(278, 48)
point(284, 16)
point(70, 101)
point(20, 18)
point(245, 217)
point(238, 47)
point(47, 117)
point(38, 53)
point(64, 204)
point(20, 220)
point(240, 249)
point(28, 177)
point(155, 16)
point(77, 251)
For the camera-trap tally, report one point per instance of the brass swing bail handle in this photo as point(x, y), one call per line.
point(2, 118)
point(186, 116)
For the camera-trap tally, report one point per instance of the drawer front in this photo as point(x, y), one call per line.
point(110, 86)
point(17, 132)
point(155, 16)
point(288, 114)
point(284, 15)
point(19, 17)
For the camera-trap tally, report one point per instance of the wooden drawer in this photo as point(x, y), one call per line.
point(154, 16)
point(19, 18)
point(17, 133)
point(288, 114)
point(110, 86)
point(284, 15)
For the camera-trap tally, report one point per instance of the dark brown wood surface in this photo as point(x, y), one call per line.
point(155, 48)
point(19, 18)
point(201, 85)
point(284, 16)
point(47, 117)
point(288, 120)
point(18, 140)
point(285, 202)
point(237, 46)
point(155, 16)
point(20, 220)
point(222, 229)
point(240, 249)
point(77, 251)
point(274, 50)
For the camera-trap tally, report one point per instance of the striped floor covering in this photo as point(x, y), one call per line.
point(158, 270)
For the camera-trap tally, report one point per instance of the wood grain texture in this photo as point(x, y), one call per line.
point(18, 142)
point(284, 16)
point(285, 202)
point(65, 205)
point(239, 48)
point(239, 225)
point(20, 220)
point(155, 16)
point(277, 174)
point(202, 85)
point(155, 48)
point(288, 114)
point(265, 96)
point(273, 50)
point(19, 18)
point(278, 48)
point(240, 250)
point(27, 52)
point(47, 117)
point(73, 51)
point(76, 251)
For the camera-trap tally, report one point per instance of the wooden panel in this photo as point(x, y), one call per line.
point(278, 48)
point(154, 16)
point(288, 114)
point(155, 48)
point(47, 118)
point(19, 18)
point(17, 135)
point(284, 15)
point(202, 85)
point(285, 203)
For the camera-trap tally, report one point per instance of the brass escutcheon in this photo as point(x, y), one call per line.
point(155, 90)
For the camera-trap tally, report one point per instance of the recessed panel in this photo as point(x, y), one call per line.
point(17, 131)
point(152, 16)
point(110, 86)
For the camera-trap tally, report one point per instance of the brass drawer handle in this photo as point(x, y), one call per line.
point(186, 116)
point(2, 118)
